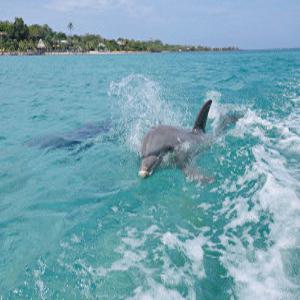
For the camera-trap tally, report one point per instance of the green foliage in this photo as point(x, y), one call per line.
point(37, 32)
point(17, 36)
point(5, 26)
point(19, 30)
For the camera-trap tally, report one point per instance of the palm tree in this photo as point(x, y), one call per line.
point(70, 27)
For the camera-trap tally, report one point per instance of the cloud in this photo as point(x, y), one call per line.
point(70, 5)
point(130, 6)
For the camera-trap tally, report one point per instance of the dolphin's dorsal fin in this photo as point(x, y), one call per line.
point(202, 116)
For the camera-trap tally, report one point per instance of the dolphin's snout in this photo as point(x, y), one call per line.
point(143, 173)
point(147, 165)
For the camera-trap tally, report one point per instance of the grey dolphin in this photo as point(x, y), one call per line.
point(73, 138)
point(181, 143)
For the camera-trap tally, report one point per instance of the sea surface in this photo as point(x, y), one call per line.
point(76, 221)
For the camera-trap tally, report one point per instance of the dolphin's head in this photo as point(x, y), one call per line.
point(148, 164)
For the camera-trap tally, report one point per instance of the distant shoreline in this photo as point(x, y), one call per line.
point(67, 53)
point(95, 53)
point(17, 38)
point(91, 53)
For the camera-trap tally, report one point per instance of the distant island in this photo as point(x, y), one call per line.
point(17, 38)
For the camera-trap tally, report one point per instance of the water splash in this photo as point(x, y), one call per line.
point(222, 115)
point(141, 106)
point(216, 108)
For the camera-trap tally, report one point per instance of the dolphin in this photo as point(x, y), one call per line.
point(73, 138)
point(177, 145)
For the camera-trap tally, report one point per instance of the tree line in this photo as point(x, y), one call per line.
point(19, 37)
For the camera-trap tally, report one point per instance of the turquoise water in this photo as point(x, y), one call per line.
point(76, 222)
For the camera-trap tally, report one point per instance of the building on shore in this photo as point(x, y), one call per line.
point(102, 47)
point(2, 34)
point(41, 47)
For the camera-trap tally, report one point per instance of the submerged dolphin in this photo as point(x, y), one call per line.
point(181, 144)
point(73, 138)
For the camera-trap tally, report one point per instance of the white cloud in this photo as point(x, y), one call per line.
point(69, 5)
point(130, 6)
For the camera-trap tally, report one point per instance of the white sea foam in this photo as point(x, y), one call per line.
point(155, 291)
point(192, 248)
point(37, 274)
point(219, 111)
point(263, 272)
point(134, 256)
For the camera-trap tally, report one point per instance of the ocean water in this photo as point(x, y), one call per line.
point(76, 221)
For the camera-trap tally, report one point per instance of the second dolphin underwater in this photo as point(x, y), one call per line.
point(179, 145)
point(73, 138)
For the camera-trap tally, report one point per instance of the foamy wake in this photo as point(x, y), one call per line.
point(267, 269)
point(134, 253)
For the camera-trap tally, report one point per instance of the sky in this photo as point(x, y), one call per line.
point(248, 24)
